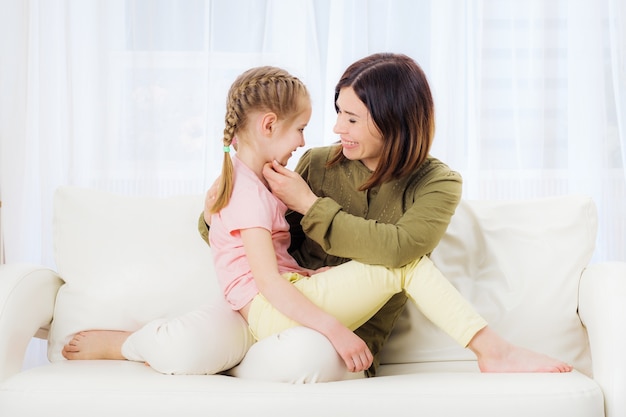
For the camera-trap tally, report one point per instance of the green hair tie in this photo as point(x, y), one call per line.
point(226, 149)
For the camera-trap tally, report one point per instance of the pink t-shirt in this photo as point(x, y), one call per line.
point(251, 205)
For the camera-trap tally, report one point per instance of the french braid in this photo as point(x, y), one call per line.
point(258, 89)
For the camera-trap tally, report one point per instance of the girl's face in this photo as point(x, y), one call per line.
point(289, 136)
point(359, 135)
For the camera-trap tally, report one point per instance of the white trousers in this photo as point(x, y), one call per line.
point(215, 339)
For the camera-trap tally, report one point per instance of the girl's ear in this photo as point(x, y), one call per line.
point(268, 123)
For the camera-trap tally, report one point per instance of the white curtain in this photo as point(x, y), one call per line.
point(128, 95)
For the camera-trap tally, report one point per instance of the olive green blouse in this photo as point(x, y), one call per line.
point(390, 225)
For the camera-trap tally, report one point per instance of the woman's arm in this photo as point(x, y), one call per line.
point(286, 298)
point(389, 242)
point(414, 216)
point(204, 222)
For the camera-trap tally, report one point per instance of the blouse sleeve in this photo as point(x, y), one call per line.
point(430, 203)
point(203, 228)
point(293, 217)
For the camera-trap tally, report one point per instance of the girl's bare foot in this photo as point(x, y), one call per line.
point(495, 354)
point(96, 344)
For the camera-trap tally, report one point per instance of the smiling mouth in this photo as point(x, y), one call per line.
point(348, 143)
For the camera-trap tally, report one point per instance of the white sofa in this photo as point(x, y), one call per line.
point(122, 261)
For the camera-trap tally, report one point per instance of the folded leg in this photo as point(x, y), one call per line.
point(204, 341)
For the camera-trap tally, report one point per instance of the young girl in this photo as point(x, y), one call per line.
point(267, 112)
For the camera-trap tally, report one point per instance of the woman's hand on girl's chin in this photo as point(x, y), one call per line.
point(289, 187)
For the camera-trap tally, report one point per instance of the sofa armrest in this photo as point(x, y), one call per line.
point(27, 296)
point(602, 309)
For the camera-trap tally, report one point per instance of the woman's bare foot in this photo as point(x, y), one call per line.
point(495, 354)
point(96, 344)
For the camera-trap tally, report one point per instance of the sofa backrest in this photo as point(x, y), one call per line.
point(519, 264)
point(127, 260)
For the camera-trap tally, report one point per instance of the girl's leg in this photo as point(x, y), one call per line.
point(209, 340)
point(204, 341)
point(298, 355)
point(96, 344)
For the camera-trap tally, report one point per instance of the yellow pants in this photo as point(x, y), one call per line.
point(353, 292)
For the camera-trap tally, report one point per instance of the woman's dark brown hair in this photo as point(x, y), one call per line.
point(396, 93)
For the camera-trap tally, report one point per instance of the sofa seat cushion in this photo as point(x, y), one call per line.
point(108, 388)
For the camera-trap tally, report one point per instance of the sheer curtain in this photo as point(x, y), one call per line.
point(128, 95)
point(531, 102)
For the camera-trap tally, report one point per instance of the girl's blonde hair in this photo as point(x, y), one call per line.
point(265, 89)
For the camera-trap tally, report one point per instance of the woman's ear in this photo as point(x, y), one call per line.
point(268, 123)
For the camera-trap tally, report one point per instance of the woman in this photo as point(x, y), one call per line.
point(267, 112)
point(378, 198)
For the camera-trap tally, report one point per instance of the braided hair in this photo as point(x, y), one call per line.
point(265, 89)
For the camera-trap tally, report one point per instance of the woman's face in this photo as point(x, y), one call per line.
point(359, 136)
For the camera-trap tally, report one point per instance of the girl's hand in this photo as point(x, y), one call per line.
point(289, 187)
point(352, 349)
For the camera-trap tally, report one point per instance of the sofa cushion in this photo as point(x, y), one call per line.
point(118, 388)
point(125, 261)
point(519, 263)
point(128, 260)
